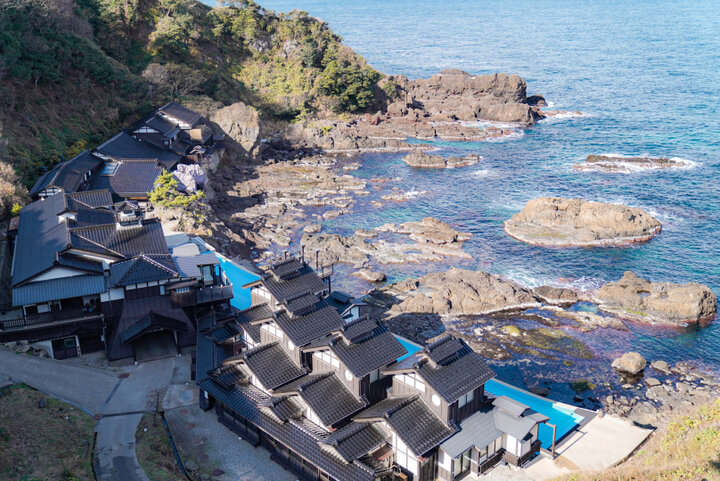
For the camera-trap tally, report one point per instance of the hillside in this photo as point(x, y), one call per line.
point(73, 72)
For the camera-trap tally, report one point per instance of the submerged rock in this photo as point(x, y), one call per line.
point(370, 276)
point(428, 230)
point(640, 300)
point(462, 292)
point(615, 163)
point(554, 221)
point(420, 159)
point(631, 363)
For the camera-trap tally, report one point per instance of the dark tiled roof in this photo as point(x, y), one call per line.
point(326, 395)
point(54, 289)
point(124, 147)
point(230, 375)
point(143, 268)
point(510, 405)
point(300, 436)
point(151, 322)
point(133, 178)
point(356, 440)
point(412, 420)
point(302, 304)
point(371, 347)
point(147, 238)
point(67, 175)
point(310, 326)
point(161, 125)
point(248, 316)
point(224, 331)
point(187, 266)
point(92, 198)
point(76, 262)
point(287, 269)
point(305, 282)
point(177, 111)
point(459, 371)
point(271, 365)
point(285, 407)
point(516, 426)
point(209, 354)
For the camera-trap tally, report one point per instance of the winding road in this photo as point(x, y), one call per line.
point(118, 401)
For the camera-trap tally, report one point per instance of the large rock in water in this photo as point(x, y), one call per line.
point(242, 125)
point(616, 163)
point(457, 94)
point(420, 159)
point(554, 221)
point(462, 292)
point(631, 363)
point(657, 302)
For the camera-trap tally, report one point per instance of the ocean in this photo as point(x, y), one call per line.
point(644, 76)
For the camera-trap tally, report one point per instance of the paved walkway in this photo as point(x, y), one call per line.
point(601, 443)
point(118, 401)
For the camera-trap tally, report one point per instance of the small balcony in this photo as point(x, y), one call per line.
point(21, 326)
point(202, 295)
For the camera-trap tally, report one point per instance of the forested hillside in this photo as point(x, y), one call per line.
point(73, 72)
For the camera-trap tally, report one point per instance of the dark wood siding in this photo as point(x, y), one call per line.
point(458, 414)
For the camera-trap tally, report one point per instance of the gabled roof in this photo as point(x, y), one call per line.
point(133, 178)
point(161, 125)
point(290, 280)
point(478, 430)
point(179, 112)
point(285, 407)
point(124, 147)
point(356, 440)
point(187, 266)
point(55, 289)
point(271, 365)
point(151, 322)
point(225, 330)
point(43, 236)
point(326, 395)
point(317, 323)
point(364, 345)
point(68, 175)
point(143, 268)
point(411, 420)
point(248, 317)
point(449, 366)
point(146, 238)
point(90, 198)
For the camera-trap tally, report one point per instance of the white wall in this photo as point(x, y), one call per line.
point(57, 273)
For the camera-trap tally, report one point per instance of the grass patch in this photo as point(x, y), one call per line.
point(688, 448)
point(53, 442)
point(153, 450)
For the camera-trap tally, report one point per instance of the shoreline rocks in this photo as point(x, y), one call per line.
point(461, 292)
point(560, 222)
point(622, 164)
point(640, 300)
point(420, 159)
point(630, 363)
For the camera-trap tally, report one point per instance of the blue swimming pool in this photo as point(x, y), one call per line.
point(410, 346)
point(238, 277)
point(565, 419)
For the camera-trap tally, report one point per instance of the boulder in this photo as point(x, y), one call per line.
point(631, 363)
point(370, 276)
point(191, 178)
point(557, 296)
point(334, 248)
point(559, 222)
point(241, 123)
point(420, 159)
point(428, 230)
point(462, 292)
point(612, 163)
point(661, 366)
point(640, 300)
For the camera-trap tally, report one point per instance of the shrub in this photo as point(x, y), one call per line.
point(166, 194)
point(349, 85)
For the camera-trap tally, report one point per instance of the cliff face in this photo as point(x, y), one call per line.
point(73, 72)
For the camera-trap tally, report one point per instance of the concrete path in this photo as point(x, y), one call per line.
point(601, 443)
point(119, 402)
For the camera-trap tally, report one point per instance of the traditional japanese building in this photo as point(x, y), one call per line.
point(89, 274)
point(341, 398)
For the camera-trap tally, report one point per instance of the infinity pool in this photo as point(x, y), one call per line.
point(565, 419)
point(238, 277)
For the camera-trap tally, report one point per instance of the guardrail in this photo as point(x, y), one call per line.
point(32, 320)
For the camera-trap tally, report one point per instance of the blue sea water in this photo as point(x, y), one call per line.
point(643, 73)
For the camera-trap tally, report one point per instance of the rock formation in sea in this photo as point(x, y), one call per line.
point(640, 300)
point(631, 363)
point(622, 164)
point(420, 159)
point(559, 222)
point(461, 292)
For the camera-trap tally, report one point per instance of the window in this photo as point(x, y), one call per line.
point(435, 399)
point(291, 345)
point(403, 455)
point(110, 168)
point(466, 399)
point(461, 464)
point(375, 375)
point(262, 292)
point(328, 357)
point(272, 328)
point(412, 380)
point(182, 290)
point(207, 275)
point(348, 375)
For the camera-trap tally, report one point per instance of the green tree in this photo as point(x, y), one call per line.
point(349, 85)
point(166, 194)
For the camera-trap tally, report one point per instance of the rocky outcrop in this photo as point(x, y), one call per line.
point(558, 296)
point(622, 164)
point(333, 248)
point(191, 178)
point(456, 94)
point(554, 221)
point(241, 125)
point(657, 302)
point(370, 276)
point(428, 230)
point(422, 160)
point(461, 292)
point(631, 363)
